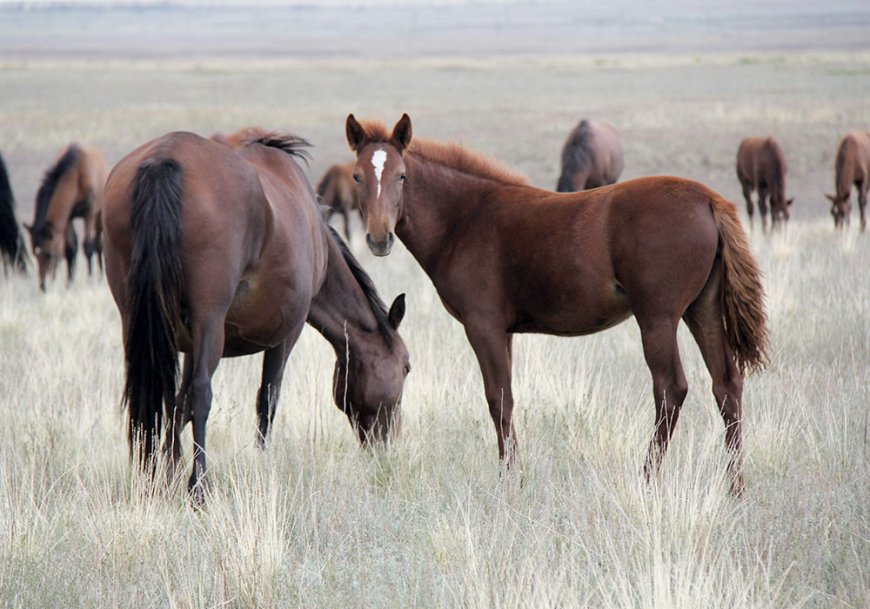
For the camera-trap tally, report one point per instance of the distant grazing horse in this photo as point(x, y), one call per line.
point(852, 167)
point(509, 258)
point(591, 157)
point(337, 192)
point(72, 188)
point(220, 251)
point(12, 248)
point(761, 167)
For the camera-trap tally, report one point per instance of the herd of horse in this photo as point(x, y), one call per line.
point(220, 247)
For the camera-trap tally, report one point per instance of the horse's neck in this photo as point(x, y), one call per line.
point(64, 198)
point(340, 311)
point(437, 203)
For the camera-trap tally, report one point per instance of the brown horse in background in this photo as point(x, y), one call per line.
point(591, 157)
point(337, 192)
point(12, 248)
point(218, 250)
point(852, 167)
point(761, 167)
point(508, 258)
point(72, 188)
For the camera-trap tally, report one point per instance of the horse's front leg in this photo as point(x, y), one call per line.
point(862, 202)
point(274, 362)
point(91, 240)
point(492, 346)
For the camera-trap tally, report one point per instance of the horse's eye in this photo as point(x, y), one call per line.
point(403, 177)
point(407, 369)
point(357, 178)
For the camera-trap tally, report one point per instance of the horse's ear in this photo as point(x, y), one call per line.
point(397, 311)
point(789, 202)
point(401, 137)
point(356, 135)
point(831, 198)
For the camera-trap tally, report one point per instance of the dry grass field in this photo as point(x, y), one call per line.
point(315, 521)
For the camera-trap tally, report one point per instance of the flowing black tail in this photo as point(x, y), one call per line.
point(12, 248)
point(154, 287)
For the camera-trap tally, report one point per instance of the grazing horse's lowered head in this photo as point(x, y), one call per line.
point(71, 188)
point(851, 169)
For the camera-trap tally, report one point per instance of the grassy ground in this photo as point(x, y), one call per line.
point(316, 522)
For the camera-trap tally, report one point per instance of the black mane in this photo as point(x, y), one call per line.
point(378, 307)
point(49, 184)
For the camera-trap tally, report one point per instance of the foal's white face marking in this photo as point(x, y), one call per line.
point(378, 160)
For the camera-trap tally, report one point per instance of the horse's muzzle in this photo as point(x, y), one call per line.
point(380, 248)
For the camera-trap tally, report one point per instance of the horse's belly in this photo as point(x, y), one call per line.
point(574, 314)
point(259, 318)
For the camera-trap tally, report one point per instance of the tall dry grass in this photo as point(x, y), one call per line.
point(316, 521)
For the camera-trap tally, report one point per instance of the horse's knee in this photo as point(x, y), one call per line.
point(200, 396)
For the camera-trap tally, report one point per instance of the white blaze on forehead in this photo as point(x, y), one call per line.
point(378, 160)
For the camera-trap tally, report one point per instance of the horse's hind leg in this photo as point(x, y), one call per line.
point(208, 344)
point(274, 362)
point(862, 201)
point(763, 194)
point(659, 336)
point(90, 241)
point(71, 248)
point(747, 194)
point(704, 318)
point(181, 415)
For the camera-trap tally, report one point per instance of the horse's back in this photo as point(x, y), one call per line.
point(760, 160)
point(853, 155)
point(593, 149)
point(247, 238)
point(607, 251)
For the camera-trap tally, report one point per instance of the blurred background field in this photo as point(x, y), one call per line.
point(317, 522)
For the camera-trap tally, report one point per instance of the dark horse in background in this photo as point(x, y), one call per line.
point(219, 250)
point(508, 258)
point(761, 167)
point(852, 168)
point(12, 247)
point(591, 157)
point(336, 191)
point(72, 188)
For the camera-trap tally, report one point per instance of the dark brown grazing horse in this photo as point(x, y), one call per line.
point(72, 188)
point(218, 250)
point(852, 167)
point(507, 258)
point(337, 192)
point(12, 248)
point(591, 157)
point(761, 167)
